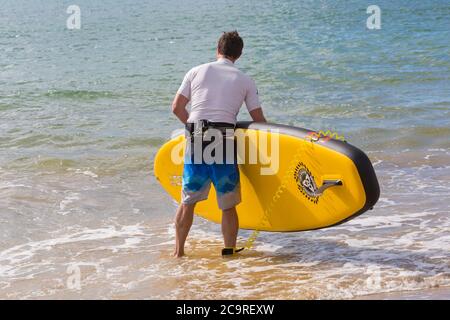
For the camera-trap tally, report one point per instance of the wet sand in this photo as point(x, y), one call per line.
point(429, 294)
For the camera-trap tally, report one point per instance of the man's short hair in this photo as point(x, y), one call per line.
point(230, 44)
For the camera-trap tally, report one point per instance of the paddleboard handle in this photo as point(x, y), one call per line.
point(327, 184)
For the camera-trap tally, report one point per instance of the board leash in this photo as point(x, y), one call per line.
point(277, 195)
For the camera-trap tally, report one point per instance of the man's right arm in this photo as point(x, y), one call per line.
point(252, 102)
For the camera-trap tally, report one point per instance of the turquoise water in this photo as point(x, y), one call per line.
point(82, 113)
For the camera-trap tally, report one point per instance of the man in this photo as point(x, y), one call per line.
point(216, 91)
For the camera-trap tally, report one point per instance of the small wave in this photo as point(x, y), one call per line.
point(55, 164)
point(137, 142)
point(90, 167)
point(34, 139)
point(80, 94)
point(417, 138)
point(6, 106)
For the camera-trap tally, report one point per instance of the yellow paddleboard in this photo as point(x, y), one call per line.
point(314, 182)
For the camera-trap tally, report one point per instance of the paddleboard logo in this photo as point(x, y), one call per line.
point(325, 135)
point(305, 182)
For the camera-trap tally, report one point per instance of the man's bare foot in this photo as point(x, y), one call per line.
point(178, 254)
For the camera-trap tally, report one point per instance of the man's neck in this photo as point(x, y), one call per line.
point(220, 56)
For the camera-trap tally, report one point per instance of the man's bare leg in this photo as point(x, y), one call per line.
point(230, 227)
point(183, 223)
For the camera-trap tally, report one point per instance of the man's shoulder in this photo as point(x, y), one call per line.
point(194, 70)
point(246, 78)
point(202, 68)
point(204, 65)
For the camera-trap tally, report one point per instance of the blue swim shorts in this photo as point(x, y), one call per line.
point(197, 179)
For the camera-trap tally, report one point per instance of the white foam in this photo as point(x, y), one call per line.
point(437, 149)
point(10, 185)
point(84, 172)
point(386, 202)
point(9, 258)
point(267, 247)
point(376, 163)
point(69, 199)
point(88, 173)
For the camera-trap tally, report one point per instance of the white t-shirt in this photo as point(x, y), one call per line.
point(217, 90)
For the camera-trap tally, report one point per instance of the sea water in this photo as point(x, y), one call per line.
point(83, 112)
